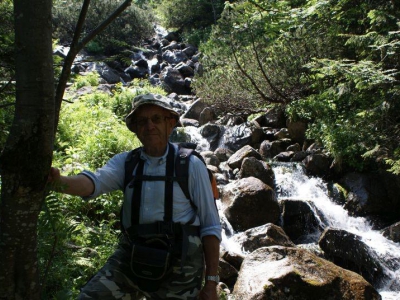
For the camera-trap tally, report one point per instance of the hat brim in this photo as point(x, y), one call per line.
point(129, 120)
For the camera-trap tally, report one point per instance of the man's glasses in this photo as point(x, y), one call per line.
point(156, 119)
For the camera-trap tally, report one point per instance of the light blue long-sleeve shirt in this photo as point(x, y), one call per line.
point(111, 177)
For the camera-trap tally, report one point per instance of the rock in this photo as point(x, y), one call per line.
point(270, 149)
point(392, 232)
point(173, 81)
point(347, 250)
point(373, 194)
point(210, 158)
point(286, 273)
point(251, 166)
point(235, 161)
point(195, 110)
point(298, 220)
point(262, 236)
point(249, 197)
point(283, 133)
point(207, 115)
point(223, 154)
point(317, 164)
point(297, 130)
point(274, 117)
point(227, 273)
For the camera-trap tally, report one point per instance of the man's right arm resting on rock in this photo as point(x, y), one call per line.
point(77, 185)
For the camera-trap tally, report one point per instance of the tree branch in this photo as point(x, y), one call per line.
point(77, 46)
point(261, 68)
point(253, 83)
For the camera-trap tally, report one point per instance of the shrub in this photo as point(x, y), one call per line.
point(132, 26)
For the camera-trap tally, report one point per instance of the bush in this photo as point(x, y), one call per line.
point(193, 19)
point(132, 26)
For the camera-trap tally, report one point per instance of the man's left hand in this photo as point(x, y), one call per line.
point(209, 291)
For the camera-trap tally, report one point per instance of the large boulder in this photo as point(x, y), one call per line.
point(297, 131)
point(235, 161)
point(173, 81)
point(270, 149)
point(347, 250)
point(392, 232)
point(237, 136)
point(262, 236)
point(274, 117)
point(287, 273)
point(248, 203)
point(317, 164)
point(195, 110)
point(298, 219)
point(251, 166)
point(374, 194)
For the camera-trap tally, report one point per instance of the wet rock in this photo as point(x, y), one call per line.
point(251, 166)
point(317, 164)
point(286, 273)
point(235, 161)
point(298, 220)
point(262, 236)
point(347, 250)
point(392, 232)
point(373, 194)
point(249, 197)
point(223, 154)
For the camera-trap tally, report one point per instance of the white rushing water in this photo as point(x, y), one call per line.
point(292, 183)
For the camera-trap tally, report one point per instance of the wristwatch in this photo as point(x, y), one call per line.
point(214, 278)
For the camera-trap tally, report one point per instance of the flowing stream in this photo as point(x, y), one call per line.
point(293, 183)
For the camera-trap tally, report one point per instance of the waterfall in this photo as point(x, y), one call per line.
point(293, 183)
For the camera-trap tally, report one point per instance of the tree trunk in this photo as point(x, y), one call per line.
point(26, 159)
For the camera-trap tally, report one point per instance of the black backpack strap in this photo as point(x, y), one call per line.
point(130, 163)
point(137, 194)
point(169, 184)
point(182, 169)
point(137, 183)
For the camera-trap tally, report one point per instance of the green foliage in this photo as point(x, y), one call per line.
point(72, 247)
point(90, 133)
point(191, 18)
point(332, 63)
point(130, 28)
point(90, 79)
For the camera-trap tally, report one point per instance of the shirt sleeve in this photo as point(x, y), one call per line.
point(202, 196)
point(108, 178)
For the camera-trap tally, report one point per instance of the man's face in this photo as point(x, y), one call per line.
point(153, 126)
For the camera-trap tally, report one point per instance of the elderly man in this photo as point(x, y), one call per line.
point(167, 237)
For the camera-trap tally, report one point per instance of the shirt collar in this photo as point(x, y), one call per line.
point(162, 159)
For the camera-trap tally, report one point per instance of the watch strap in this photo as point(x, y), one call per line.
point(214, 278)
